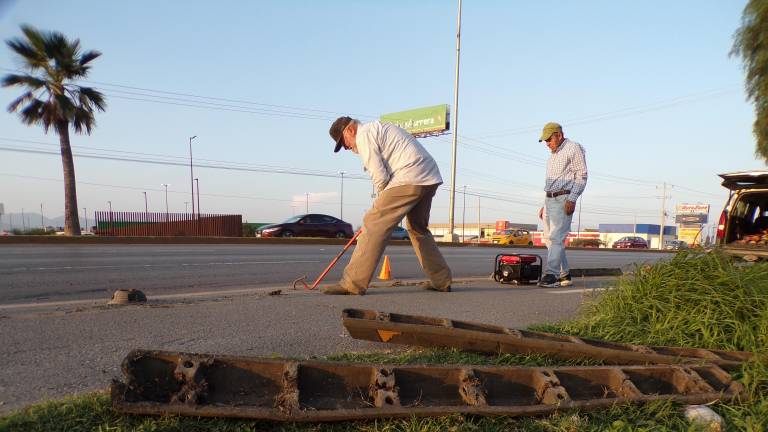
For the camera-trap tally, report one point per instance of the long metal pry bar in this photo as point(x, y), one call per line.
point(303, 280)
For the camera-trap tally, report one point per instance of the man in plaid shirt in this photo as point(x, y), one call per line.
point(566, 180)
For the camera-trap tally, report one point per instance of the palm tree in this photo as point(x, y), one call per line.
point(53, 100)
point(751, 44)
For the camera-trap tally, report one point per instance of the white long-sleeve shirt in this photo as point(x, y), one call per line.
point(393, 157)
point(567, 170)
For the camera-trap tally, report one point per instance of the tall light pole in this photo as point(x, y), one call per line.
point(191, 175)
point(42, 222)
point(166, 199)
point(578, 228)
point(146, 208)
point(341, 203)
point(85, 214)
point(23, 220)
point(186, 206)
point(463, 212)
point(110, 218)
point(455, 122)
point(197, 183)
point(663, 214)
point(479, 230)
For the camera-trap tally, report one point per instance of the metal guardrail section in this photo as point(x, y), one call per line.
point(440, 332)
point(172, 383)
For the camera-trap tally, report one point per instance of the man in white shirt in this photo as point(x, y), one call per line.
point(565, 182)
point(406, 178)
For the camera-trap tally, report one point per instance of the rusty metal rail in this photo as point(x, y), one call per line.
point(441, 332)
point(168, 383)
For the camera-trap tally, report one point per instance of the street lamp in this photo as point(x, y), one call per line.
point(341, 203)
point(110, 218)
point(191, 174)
point(146, 209)
point(463, 212)
point(197, 183)
point(186, 206)
point(166, 199)
point(85, 213)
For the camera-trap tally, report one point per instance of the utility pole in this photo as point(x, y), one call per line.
point(663, 214)
point(23, 220)
point(191, 175)
point(463, 212)
point(146, 208)
point(455, 122)
point(578, 227)
point(479, 230)
point(166, 200)
point(307, 205)
point(197, 183)
point(341, 204)
point(42, 222)
point(85, 214)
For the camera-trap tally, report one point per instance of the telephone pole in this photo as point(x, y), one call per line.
point(663, 215)
point(455, 122)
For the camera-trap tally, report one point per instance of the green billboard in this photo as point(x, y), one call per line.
point(421, 121)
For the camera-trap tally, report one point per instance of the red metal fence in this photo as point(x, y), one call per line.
point(127, 224)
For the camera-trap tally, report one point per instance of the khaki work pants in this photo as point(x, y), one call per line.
point(413, 203)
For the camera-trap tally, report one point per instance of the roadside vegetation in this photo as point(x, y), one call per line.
point(695, 300)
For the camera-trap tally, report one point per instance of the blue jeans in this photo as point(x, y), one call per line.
point(559, 225)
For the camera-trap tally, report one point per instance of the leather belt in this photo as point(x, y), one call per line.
point(558, 193)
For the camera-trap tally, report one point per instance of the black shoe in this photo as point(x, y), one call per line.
point(549, 281)
point(565, 280)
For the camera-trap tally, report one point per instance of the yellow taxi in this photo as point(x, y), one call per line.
point(517, 237)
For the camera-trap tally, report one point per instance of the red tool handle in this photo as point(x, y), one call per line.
point(330, 266)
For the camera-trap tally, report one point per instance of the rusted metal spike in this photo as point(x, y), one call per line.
point(471, 389)
point(190, 372)
point(478, 337)
point(288, 390)
point(383, 391)
point(287, 401)
point(548, 388)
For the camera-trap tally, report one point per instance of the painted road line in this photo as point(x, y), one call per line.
point(577, 291)
point(158, 265)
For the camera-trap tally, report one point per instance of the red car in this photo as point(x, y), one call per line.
point(630, 243)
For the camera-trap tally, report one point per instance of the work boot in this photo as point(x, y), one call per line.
point(339, 290)
point(428, 285)
point(565, 280)
point(549, 281)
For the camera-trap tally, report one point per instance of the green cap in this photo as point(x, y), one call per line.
point(549, 129)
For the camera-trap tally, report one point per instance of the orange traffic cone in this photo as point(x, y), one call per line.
point(386, 272)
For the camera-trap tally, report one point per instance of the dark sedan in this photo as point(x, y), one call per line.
point(630, 243)
point(308, 225)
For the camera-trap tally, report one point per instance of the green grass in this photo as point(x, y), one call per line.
point(694, 300)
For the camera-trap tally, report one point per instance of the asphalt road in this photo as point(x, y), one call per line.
point(58, 337)
point(34, 273)
point(51, 351)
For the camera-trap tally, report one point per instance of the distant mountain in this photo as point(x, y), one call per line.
point(31, 220)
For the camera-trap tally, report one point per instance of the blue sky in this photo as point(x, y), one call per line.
point(647, 88)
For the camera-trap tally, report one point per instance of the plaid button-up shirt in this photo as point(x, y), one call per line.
point(567, 170)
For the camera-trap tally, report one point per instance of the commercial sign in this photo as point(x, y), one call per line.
point(692, 213)
point(689, 235)
point(421, 121)
point(691, 219)
point(693, 209)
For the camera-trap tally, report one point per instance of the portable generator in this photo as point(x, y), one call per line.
point(517, 268)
